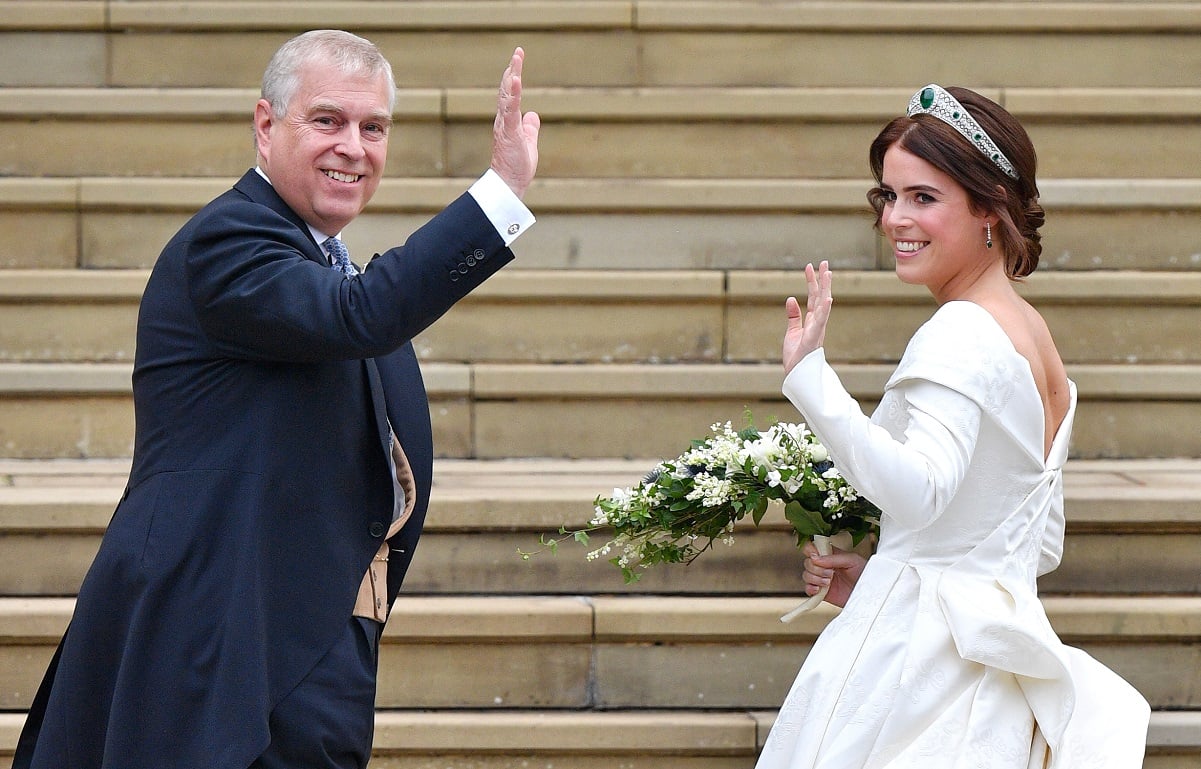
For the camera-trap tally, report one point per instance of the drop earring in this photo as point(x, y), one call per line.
point(987, 235)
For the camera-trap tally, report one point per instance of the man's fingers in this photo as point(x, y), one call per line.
point(508, 97)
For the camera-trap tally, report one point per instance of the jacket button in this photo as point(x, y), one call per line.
point(376, 529)
point(480, 254)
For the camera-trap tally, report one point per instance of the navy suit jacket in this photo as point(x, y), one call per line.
point(260, 486)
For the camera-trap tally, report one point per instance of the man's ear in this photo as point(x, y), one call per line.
point(264, 119)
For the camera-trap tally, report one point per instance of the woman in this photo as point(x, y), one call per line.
point(943, 655)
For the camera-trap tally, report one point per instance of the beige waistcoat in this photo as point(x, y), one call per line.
point(372, 601)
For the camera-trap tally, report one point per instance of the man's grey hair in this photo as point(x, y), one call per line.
point(350, 54)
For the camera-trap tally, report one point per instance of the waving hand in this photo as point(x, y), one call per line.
point(804, 335)
point(514, 135)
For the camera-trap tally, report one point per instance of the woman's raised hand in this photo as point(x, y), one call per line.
point(805, 334)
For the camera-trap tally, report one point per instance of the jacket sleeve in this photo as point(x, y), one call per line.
point(258, 296)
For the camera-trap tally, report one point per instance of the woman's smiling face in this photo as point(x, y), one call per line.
point(937, 240)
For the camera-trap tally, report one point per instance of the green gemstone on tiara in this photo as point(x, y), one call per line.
point(934, 100)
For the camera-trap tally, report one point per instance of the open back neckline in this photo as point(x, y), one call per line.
point(1048, 448)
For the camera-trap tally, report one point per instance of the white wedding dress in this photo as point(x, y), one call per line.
point(943, 658)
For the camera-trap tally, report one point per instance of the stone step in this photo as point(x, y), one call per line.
point(632, 739)
point(706, 316)
point(482, 513)
point(597, 410)
point(663, 132)
point(631, 223)
point(642, 43)
point(607, 652)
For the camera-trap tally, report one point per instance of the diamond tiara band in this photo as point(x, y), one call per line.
point(934, 100)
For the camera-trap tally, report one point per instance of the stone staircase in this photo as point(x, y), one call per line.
point(695, 154)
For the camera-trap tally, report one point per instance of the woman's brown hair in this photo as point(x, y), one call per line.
point(989, 189)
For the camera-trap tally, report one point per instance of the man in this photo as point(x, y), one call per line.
point(283, 455)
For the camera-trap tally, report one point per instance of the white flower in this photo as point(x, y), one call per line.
point(763, 452)
point(818, 453)
point(709, 490)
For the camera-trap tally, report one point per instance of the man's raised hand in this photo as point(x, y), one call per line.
point(514, 135)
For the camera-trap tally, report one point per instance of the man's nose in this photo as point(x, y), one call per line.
point(351, 145)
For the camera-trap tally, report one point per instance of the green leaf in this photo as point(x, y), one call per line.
point(581, 537)
point(805, 522)
point(760, 510)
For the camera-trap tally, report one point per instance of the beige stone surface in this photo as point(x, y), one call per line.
point(622, 426)
point(567, 329)
point(36, 426)
point(596, 733)
point(1102, 240)
point(58, 331)
point(38, 239)
point(668, 675)
point(640, 240)
point(842, 58)
point(36, 564)
point(409, 14)
point(1116, 149)
point(484, 675)
point(126, 239)
point(53, 14)
point(50, 58)
point(21, 667)
point(688, 149)
point(422, 59)
point(888, 16)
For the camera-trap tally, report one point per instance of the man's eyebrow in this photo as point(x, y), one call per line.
point(378, 117)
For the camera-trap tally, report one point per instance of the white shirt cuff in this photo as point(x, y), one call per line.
point(503, 208)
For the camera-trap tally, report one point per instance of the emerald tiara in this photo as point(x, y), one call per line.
point(934, 100)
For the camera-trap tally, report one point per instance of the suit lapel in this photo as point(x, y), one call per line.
point(259, 190)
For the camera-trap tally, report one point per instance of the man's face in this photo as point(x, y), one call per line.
point(326, 156)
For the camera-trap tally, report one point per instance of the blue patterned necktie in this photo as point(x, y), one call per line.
point(339, 257)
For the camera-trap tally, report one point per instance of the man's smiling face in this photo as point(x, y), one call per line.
point(326, 156)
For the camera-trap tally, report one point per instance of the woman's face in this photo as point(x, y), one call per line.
point(937, 241)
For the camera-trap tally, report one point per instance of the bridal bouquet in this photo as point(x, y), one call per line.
point(686, 504)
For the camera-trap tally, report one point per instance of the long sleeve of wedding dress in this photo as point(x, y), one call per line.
point(914, 476)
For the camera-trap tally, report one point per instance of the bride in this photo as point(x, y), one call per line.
point(943, 656)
